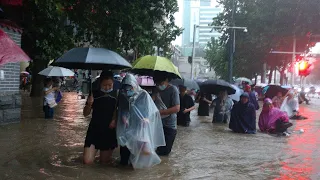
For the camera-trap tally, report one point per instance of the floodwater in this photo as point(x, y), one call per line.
point(52, 149)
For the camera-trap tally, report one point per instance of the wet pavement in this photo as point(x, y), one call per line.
point(52, 149)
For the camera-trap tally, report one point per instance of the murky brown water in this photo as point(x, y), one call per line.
point(52, 149)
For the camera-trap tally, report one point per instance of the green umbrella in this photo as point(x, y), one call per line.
point(147, 65)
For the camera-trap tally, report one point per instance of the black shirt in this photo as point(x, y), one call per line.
point(103, 108)
point(186, 102)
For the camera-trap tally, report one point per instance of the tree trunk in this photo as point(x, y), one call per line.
point(270, 76)
point(37, 80)
point(282, 77)
point(264, 72)
point(275, 76)
point(255, 79)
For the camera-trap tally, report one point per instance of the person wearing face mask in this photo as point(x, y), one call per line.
point(139, 126)
point(101, 134)
point(170, 97)
point(49, 101)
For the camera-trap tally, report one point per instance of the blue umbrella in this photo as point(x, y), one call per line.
point(91, 58)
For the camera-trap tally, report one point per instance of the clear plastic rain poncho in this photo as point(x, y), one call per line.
point(139, 126)
point(290, 106)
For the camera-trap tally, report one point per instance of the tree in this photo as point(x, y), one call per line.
point(45, 36)
point(216, 55)
point(126, 25)
point(271, 25)
point(52, 27)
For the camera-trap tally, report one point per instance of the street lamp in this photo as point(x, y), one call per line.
point(245, 29)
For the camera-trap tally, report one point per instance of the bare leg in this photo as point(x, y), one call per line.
point(89, 154)
point(105, 156)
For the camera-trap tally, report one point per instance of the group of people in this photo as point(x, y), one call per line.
point(132, 119)
point(241, 116)
point(274, 117)
point(144, 123)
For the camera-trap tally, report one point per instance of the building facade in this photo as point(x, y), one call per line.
point(10, 98)
point(201, 68)
point(199, 12)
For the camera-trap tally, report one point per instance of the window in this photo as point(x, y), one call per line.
point(205, 2)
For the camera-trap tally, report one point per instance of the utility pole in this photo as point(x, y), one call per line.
point(232, 45)
point(193, 51)
point(293, 57)
point(293, 60)
point(264, 71)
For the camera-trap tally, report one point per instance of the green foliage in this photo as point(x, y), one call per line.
point(271, 24)
point(45, 36)
point(216, 55)
point(52, 27)
point(126, 25)
point(45, 33)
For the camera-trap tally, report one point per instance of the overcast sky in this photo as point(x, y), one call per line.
point(178, 20)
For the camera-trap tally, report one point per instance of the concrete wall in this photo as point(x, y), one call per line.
point(10, 98)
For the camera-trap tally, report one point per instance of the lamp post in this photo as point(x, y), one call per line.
point(215, 27)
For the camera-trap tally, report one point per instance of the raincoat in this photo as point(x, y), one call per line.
point(139, 126)
point(268, 119)
point(222, 109)
point(290, 106)
point(243, 118)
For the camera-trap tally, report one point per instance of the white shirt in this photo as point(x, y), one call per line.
point(49, 97)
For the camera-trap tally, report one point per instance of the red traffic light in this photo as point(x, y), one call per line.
point(303, 65)
point(304, 68)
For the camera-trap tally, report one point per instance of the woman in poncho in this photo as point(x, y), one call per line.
point(222, 107)
point(273, 120)
point(139, 127)
point(243, 116)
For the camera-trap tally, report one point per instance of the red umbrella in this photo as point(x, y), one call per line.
point(10, 52)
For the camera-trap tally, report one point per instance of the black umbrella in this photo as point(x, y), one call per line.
point(272, 91)
point(199, 82)
point(190, 84)
point(216, 86)
point(91, 58)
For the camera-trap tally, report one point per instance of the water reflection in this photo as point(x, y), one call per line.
point(302, 149)
point(52, 149)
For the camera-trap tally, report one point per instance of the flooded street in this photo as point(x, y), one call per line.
point(52, 149)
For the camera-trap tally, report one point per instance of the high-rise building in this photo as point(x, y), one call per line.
point(199, 12)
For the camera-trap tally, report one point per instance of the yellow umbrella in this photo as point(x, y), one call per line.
point(147, 64)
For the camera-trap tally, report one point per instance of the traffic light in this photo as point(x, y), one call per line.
point(304, 68)
point(190, 59)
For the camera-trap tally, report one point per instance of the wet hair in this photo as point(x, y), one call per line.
point(47, 81)
point(161, 76)
point(106, 75)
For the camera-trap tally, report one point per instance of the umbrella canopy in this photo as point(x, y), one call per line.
point(25, 72)
point(261, 85)
point(215, 86)
point(56, 71)
point(286, 87)
point(190, 84)
point(145, 81)
point(91, 58)
point(271, 91)
point(147, 65)
point(236, 96)
point(10, 52)
point(243, 79)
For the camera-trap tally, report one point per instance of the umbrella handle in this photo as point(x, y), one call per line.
point(90, 81)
